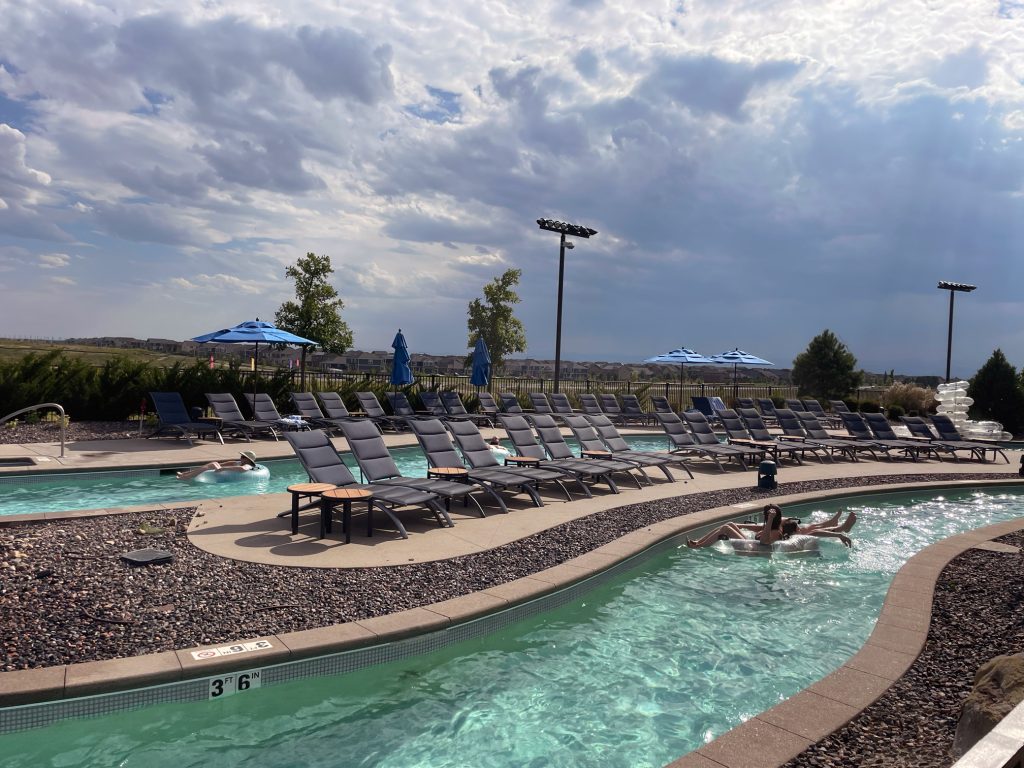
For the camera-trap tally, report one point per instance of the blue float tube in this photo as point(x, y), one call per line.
point(259, 472)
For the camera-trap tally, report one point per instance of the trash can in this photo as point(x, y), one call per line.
point(766, 472)
point(196, 413)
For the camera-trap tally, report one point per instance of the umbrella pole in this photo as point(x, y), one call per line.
point(681, 365)
point(255, 370)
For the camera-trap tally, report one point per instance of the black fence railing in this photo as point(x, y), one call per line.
point(679, 394)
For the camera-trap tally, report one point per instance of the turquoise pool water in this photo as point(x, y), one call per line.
point(99, 490)
point(636, 673)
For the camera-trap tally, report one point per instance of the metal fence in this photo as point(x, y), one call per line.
point(678, 393)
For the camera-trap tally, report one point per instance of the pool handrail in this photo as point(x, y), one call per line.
point(58, 406)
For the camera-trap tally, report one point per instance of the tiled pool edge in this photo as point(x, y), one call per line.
point(56, 692)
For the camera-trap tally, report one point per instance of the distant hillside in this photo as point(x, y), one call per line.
point(15, 350)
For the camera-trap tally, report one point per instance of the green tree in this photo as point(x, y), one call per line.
point(492, 318)
point(997, 393)
point(316, 312)
point(826, 368)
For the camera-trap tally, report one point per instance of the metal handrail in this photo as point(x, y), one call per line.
point(58, 406)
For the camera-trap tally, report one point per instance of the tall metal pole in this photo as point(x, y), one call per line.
point(558, 315)
point(949, 336)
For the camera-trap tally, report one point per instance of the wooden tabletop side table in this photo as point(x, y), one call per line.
point(522, 461)
point(344, 496)
point(300, 491)
point(596, 454)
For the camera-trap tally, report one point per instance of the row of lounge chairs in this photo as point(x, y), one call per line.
point(803, 435)
point(458, 444)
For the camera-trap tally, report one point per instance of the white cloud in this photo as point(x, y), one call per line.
point(790, 146)
point(54, 260)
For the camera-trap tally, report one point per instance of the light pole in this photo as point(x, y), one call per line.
point(952, 288)
point(576, 230)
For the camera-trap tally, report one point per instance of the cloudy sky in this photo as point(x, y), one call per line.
point(758, 170)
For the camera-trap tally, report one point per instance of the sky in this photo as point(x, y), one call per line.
point(757, 170)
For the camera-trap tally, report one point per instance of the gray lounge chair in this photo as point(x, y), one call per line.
point(767, 408)
point(400, 405)
point(431, 404)
point(813, 406)
point(334, 406)
point(509, 403)
point(377, 465)
point(370, 405)
point(660, 404)
point(323, 465)
point(704, 435)
point(882, 432)
point(838, 406)
point(633, 411)
point(738, 434)
point(226, 409)
point(610, 407)
point(176, 421)
point(487, 406)
point(683, 442)
point(456, 411)
point(539, 402)
point(309, 410)
point(525, 443)
point(813, 430)
point(591, 446)
point(478, 455)
point(949, 434)
point(858, 429)
point(589, 404)
point(550, 436)
point(919, 430)
point(613, 442)
point(560, 403)
point(794, 434)
point(437, 446)
point(265, 412)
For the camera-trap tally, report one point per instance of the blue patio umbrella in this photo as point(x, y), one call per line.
point(401, 374)
point(481, 364)
point(253, 332)
point(736, 358)
point(682, 355)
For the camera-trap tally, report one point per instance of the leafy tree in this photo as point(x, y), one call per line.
point(316, 313)
point(826, 368)
point(997, 393)
point(492, 319)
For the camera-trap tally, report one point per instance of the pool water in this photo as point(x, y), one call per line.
point(101, 490)
point(636, 673)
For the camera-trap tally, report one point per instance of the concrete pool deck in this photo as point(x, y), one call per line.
point(246, 528)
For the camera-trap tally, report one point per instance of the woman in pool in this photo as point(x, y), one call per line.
point(767, 533)
point(246, 462)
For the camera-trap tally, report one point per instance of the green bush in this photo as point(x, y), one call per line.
point(895, 412)
point(869, 406)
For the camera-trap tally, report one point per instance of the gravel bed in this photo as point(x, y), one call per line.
point(66, 597)
point(976, 615)
point(49, 432)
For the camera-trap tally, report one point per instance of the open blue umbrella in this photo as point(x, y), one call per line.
point(481, 364)
point(683, 355)
point(253, 332)
point(736, 358)
point(401, 374)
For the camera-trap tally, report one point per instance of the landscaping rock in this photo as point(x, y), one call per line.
point(998, 688)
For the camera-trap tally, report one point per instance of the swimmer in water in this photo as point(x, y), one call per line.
point(246, 462)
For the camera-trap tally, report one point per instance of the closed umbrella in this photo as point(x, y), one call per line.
point(253, 332)
point(736, 358)
point(401, 374)
point(481, 364)
point(683, 355)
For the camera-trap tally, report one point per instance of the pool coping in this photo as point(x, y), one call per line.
point(769, 739)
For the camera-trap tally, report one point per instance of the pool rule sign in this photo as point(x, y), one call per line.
point(229, 685)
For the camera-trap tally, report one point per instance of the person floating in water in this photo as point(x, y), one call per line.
point(246, 462)
point(769, 532)
point(499, 450)
point(776, 528)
